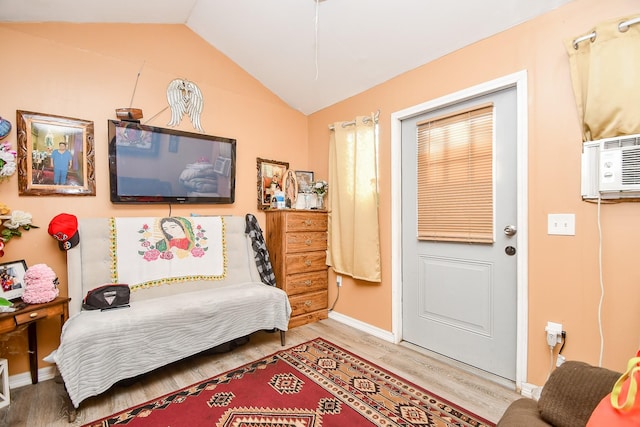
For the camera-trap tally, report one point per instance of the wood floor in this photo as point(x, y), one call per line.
point(45, 404)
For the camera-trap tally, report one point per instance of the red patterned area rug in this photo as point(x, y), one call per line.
point(315, 384)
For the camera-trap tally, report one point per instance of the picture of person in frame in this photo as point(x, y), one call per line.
point(8, 279)
point(61, 162)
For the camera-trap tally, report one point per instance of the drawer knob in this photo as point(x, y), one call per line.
point(308, 222)
point(307, 282)
point(308, 242)
point(308, 263)
point(34, 314)
point(307, 303)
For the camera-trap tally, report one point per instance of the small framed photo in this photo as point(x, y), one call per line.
point(305, 178)
point(12, 279)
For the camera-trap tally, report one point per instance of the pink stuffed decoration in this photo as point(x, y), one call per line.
point(40, 283)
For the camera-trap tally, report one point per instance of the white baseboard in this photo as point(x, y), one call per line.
point(531, 391)
point(361, 326)
point(20, 380)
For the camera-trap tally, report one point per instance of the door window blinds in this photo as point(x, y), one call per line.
point(455, 177)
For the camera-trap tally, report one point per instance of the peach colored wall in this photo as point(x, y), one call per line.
point(87, 71)
point(563, 271)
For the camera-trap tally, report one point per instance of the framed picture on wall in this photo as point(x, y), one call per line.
point(55, 155)
point(12, 279)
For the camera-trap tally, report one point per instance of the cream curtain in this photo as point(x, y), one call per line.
point(354, 238)
point(604, 72)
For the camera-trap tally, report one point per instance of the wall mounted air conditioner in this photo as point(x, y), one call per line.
point(611, 168)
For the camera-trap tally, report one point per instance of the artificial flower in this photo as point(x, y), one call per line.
point(7, 161)
point(19, 219)
point(320, 187)
point(12, 226)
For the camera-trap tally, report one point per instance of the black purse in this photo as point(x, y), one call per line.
point(106, 297)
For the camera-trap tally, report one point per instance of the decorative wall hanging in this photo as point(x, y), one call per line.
point(7, 155)
point(5, 127)
point(55, 155)
point(270, 175)
point(185, 98)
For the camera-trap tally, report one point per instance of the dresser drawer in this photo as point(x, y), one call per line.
point(41, 313)
point(306, 282)
point(303, 319)
point(7, 323)
point(305, 222)
point(306, 303)
point(303, 242)
point(304, 263)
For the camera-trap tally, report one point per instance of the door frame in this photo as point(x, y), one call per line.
point(519, 81)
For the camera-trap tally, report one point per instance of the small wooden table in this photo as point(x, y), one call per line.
point(29, 314)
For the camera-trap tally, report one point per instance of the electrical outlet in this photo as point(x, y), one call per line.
point(554, 333)
point(554, 328)
point(562, 224)
point(339, 280)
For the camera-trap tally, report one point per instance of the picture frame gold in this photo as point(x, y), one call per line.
point(45, 138)
point(267, 171)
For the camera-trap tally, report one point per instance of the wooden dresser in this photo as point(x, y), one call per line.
point(297, 243)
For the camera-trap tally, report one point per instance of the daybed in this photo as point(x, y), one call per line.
point(168, 319)
point(568, 398)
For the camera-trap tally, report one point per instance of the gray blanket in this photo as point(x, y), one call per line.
point(100, 348)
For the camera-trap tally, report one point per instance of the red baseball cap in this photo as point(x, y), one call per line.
point(64, 228)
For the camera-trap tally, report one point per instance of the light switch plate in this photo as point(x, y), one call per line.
point(562, 224)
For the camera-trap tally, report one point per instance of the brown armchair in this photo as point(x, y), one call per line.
point(568, 398)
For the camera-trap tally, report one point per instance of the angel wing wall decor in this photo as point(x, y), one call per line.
point(185, 98)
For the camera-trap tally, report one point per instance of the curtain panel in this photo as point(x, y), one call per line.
point(354, 237)
point(604, 73)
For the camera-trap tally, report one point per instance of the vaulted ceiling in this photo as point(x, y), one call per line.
point(311, 53)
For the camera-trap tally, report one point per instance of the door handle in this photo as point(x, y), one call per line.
point(510, 230)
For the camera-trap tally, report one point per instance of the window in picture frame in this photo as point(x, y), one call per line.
point(222, 166)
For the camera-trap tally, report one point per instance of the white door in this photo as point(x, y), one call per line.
point(459, 299)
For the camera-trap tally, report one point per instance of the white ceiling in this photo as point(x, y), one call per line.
point(311, 53)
